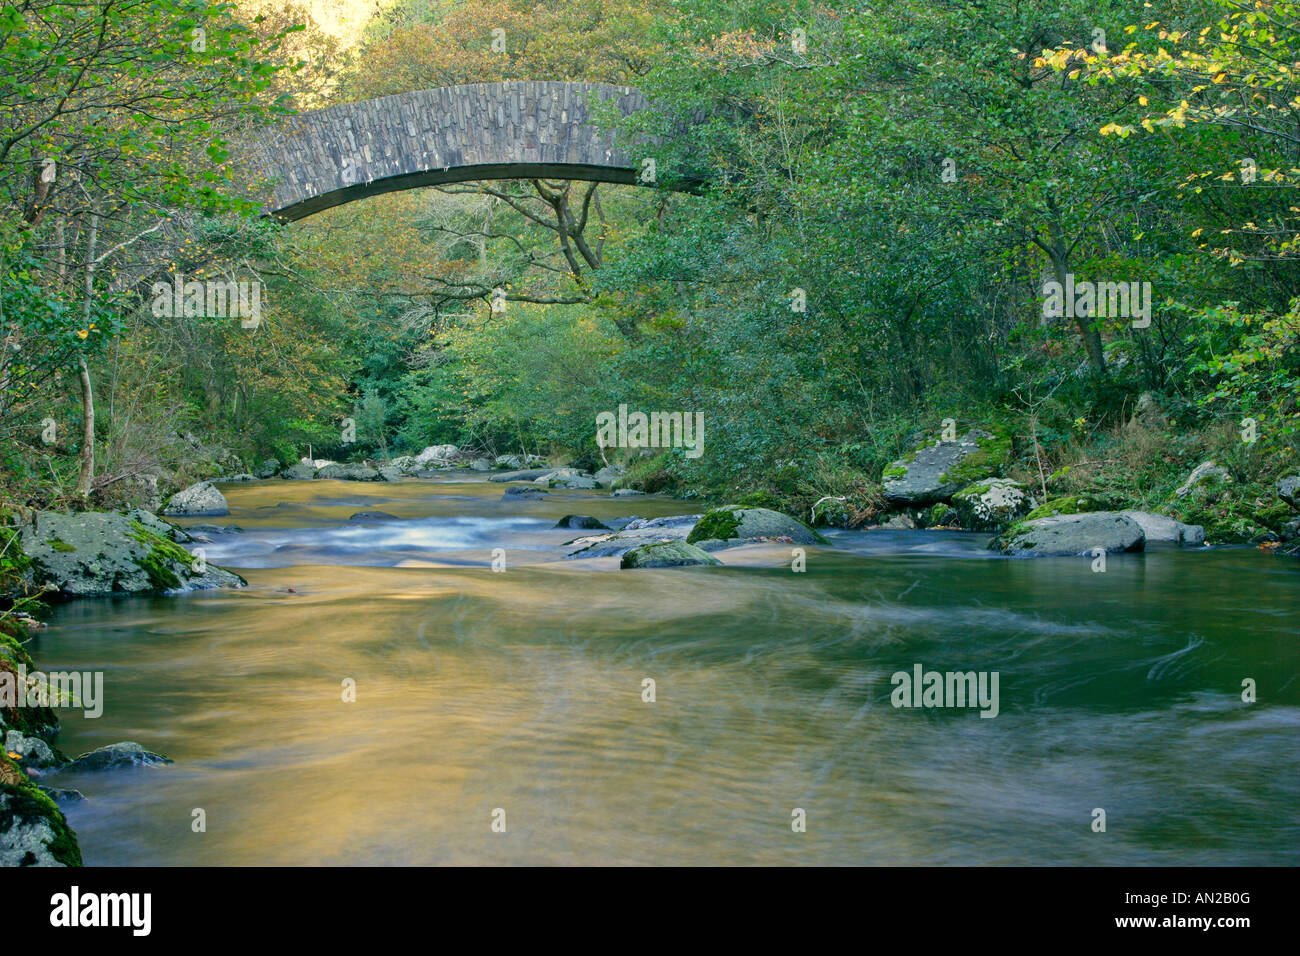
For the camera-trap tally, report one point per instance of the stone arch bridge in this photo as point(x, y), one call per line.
point(483, 131)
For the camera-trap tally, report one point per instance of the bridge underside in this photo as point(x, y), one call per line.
point(486, 131)
point(455, 174)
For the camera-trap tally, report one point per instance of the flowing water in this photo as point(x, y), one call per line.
point(522, 691)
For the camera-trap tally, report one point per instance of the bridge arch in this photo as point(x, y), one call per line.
point(511, 130)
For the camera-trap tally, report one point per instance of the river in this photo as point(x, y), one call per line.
point(522, 691)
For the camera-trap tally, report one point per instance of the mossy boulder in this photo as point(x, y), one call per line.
point(32, 720)
point(100, 553)
point(667, 554)
point(991, 504)
point(33, 830)
point(734, 522)
point(117, 756)
point(934, 470)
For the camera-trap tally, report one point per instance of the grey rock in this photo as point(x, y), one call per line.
point(33, 750)
point(753, 523)
point(608, 476)
point(991, 504)
point(626, 493)
point(667, 554)
point(566, 478)
point(927, 472)
point(527, 491)
point(299, 472)
point(241, 477)
point(898, 522)
point(270, 468)
point(100, 553)
point(1073, 534)
point(1204, 472)
point(1163, 528)
point(353, 472)
point(582, 522)
point(480, 464)
point(116, 756)
point(28, 836)
point(1147, 413)
point(217, 528)
point(198, 499)
point(1288, 489)
point(526, 474)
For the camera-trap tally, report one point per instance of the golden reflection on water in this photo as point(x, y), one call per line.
point(522, 691)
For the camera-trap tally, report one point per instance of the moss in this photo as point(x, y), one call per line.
point(23, 800)
point(157, 563)
point(992, 455)
point(1065, 505)
point(894, 471)
point(720, 523)
point(974, 491)
point(760, 499)
point(58, 544)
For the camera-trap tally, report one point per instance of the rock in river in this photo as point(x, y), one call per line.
point(582, 521)
point(114, 756)
point(1072, 534)
point(734, 522)
point(99, 553)
point(666, 554)
point(200, 499)
point(1164, 528)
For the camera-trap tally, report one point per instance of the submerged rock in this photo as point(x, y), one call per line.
point(666, 554)
point(198, 499)
point(733, 521)
point(1072, 534)
point(581, 521)
point(373, 516)
point(116, 756)
point(1164, 528)
point(99, 553)
point(525, 491)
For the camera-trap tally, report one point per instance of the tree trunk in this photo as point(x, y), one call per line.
point(87, 475)
point(86, 478)
point(1085, 323)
